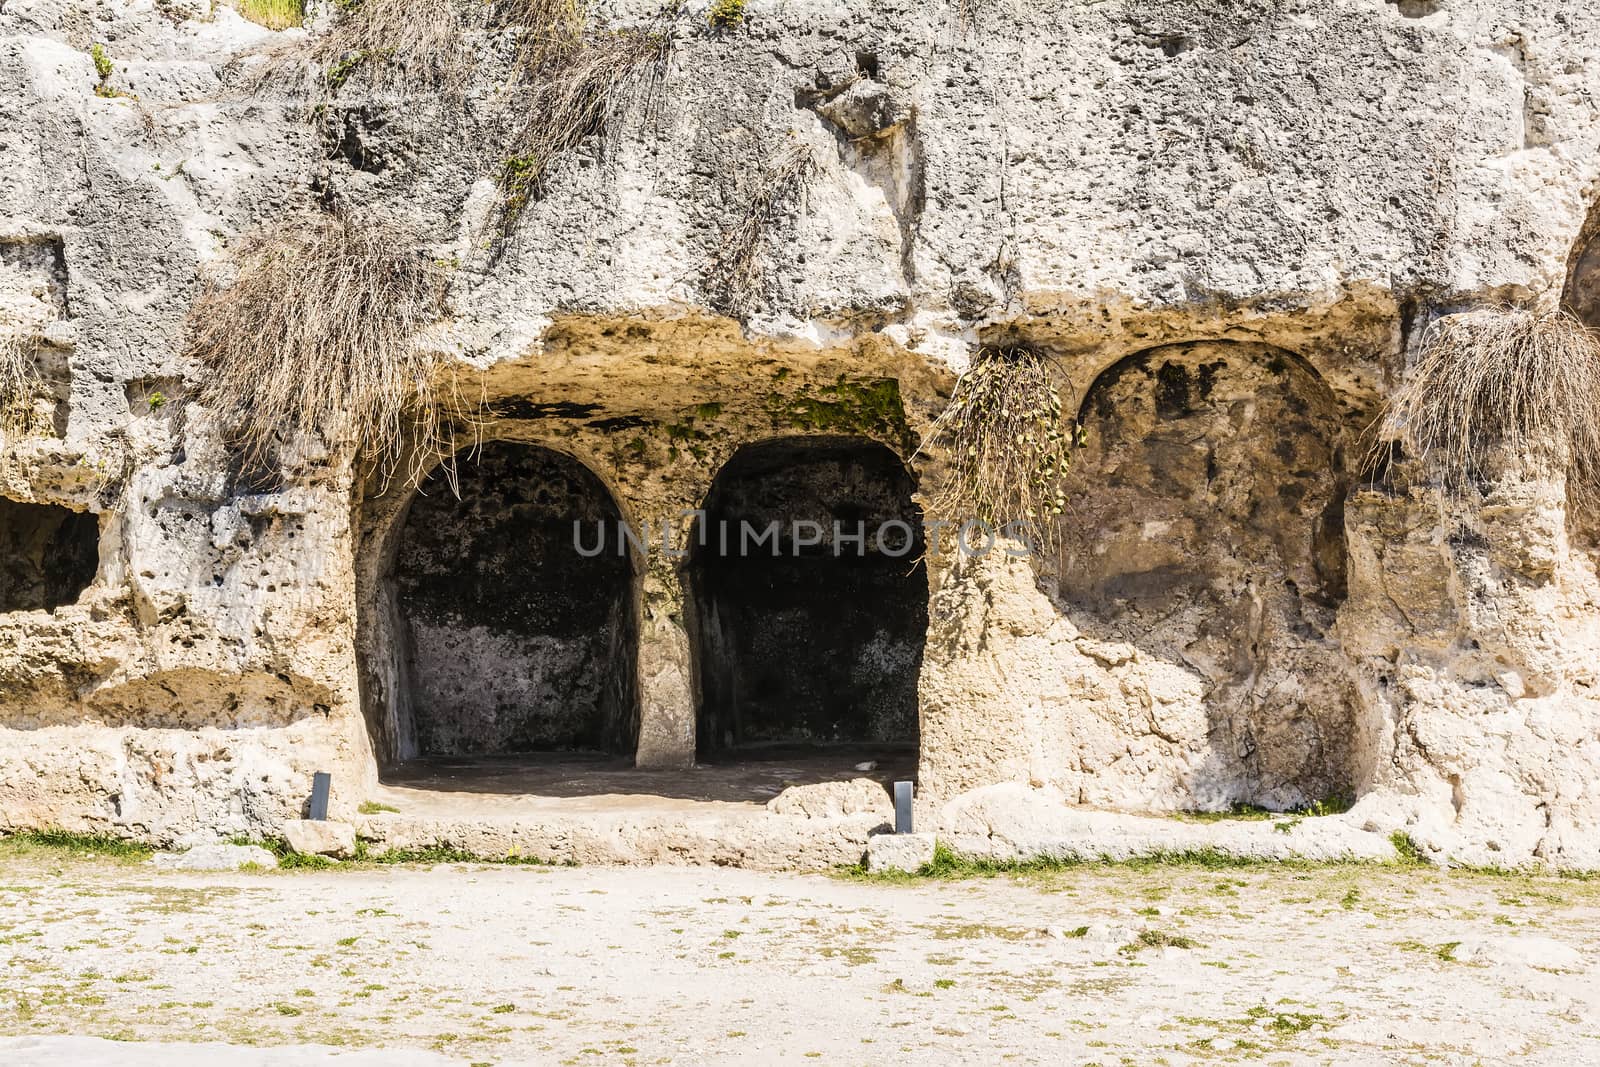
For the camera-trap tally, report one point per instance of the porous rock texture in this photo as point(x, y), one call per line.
point(1228, 220)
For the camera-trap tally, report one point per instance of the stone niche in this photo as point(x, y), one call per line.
point(803, 644)
point(514, 641)
point(1207, 530)
point(48, 555)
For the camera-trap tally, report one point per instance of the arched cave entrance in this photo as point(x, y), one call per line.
point(513, 641)
point(48, 555)
point(1206, 528)
point(808, 638)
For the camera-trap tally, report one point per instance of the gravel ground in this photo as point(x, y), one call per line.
point(1100, 964)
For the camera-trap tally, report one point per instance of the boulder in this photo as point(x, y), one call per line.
point(899, 852)
point(320, 837)
point(834, 800)
point(216, 858)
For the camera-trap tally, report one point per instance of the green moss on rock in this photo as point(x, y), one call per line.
point(867, 407)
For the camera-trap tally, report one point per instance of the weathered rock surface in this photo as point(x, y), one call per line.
point(320, 837)
point(216, 858)
point(899, 852)
point(1228, 221)
point(833, 800)
point(1015, 822)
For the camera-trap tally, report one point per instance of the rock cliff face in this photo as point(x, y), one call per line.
point(1229, 222)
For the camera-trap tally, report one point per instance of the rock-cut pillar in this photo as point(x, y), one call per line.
point(666, 687)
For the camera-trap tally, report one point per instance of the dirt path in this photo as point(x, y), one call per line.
point(1100, 965)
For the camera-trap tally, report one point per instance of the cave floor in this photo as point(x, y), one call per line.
point(570, 783)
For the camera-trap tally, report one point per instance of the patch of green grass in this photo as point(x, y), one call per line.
point(1334, 805)
point(948, 864)
point(372, 807)
point(1283, 1022)
point(288, 858)
point(1411, 854)
point(1445, 953)
point(1156, 939)
point(81, 844)
point(440, 852)
point(273, 14)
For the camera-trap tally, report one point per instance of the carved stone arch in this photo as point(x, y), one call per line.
point(480, 627)
point(1206, 527)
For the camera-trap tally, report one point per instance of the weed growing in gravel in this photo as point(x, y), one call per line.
point(1411, 854)
point(1156, 939)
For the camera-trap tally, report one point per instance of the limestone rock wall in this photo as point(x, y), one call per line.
point(1311, 177)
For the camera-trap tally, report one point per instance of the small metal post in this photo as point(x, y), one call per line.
point(321, 785)
point(902, 807)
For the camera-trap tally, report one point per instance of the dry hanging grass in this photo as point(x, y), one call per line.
point(565, 82)
point(20, 384)
point(405, 45)
point(734, 278)
point(315, 336)
point(575, 89)
point(1009, 446)
point(1521, 381)
point(422, 46)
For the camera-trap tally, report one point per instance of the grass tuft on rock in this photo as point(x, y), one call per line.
point(1507, 383)
point(734, 278)
point(726, 14)
point(20, 383)
point(315, 335)
point(273, 14)
point(574, 89)
point(563, 80)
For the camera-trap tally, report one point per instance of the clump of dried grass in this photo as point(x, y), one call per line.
point(406, 45)
point(20, 384)
point(422, 46)
point(315, 335)
point(1009, 445)
point(565, 82)
point(1523, 383)
point(734, 277)
point(575, 87)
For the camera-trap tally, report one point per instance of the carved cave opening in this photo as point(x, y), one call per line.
point(808, 644)
point(48, 555)
point(1207, 529)
point(514, 642)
